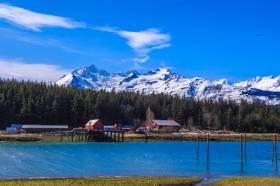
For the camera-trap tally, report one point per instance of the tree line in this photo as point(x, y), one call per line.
point(42, 103)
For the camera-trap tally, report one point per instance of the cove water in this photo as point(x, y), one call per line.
point(37, 160)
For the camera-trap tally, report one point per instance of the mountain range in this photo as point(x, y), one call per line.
point(163, 80)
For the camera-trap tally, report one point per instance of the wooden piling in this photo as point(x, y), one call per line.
point(273, 148)
point(61, 136)
point(146, 137)
point(241, 153)
point(115, 137)
point(275, 152)
point(86, 136)
point(207, 152)
point(245, 147)
point(197, 146)
point(122, 136)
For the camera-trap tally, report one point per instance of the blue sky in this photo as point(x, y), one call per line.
point(234, 39)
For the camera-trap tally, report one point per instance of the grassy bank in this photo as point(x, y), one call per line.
point(202, 137)
point(172, 137)
point(151, 137)
point(20, 138)
point(247, 181)
point(106, 181)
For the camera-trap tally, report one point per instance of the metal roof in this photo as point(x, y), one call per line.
point(44, 126)
point(167, 123)
point(92, 122)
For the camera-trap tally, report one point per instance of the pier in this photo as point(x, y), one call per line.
point(81, 135)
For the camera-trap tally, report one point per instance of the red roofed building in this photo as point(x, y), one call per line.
point(164, 125)
point(95, 124)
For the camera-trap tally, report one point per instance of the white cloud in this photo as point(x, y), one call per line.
point(47, 42)
point(142, 42)
point(141, 59)
point(31, 39)
point(26, 71)
point(35, 21)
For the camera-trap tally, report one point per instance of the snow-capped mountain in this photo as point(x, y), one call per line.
point(163, 80)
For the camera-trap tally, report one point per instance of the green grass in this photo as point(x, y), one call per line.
point(248, 181)
point(50, 139)
point(19, 138)
point(105, 181)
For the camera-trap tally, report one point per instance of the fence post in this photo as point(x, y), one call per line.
point(241, 153)
point(275, 152)
point(245, 147)
point(207, 152)
point(197, 146)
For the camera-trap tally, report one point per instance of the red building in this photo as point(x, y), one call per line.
point(95, 124)
point(164, 126)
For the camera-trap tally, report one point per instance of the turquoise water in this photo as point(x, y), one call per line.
point(25, 160)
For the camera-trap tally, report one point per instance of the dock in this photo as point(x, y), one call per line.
point(81, 135)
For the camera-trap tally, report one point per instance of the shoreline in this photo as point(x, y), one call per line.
point(202, 137)
point(151, 138)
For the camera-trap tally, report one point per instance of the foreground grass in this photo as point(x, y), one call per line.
point(248, 181)
point(106, 181)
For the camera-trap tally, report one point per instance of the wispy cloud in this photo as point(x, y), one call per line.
point(25, 71)
point(43, 42)
point(142, 42)
point(33, 20)
point(47, 42)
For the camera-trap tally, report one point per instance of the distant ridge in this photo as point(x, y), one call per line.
point(163, 80)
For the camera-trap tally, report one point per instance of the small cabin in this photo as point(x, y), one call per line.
point(164, 126)
point(95, 124)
